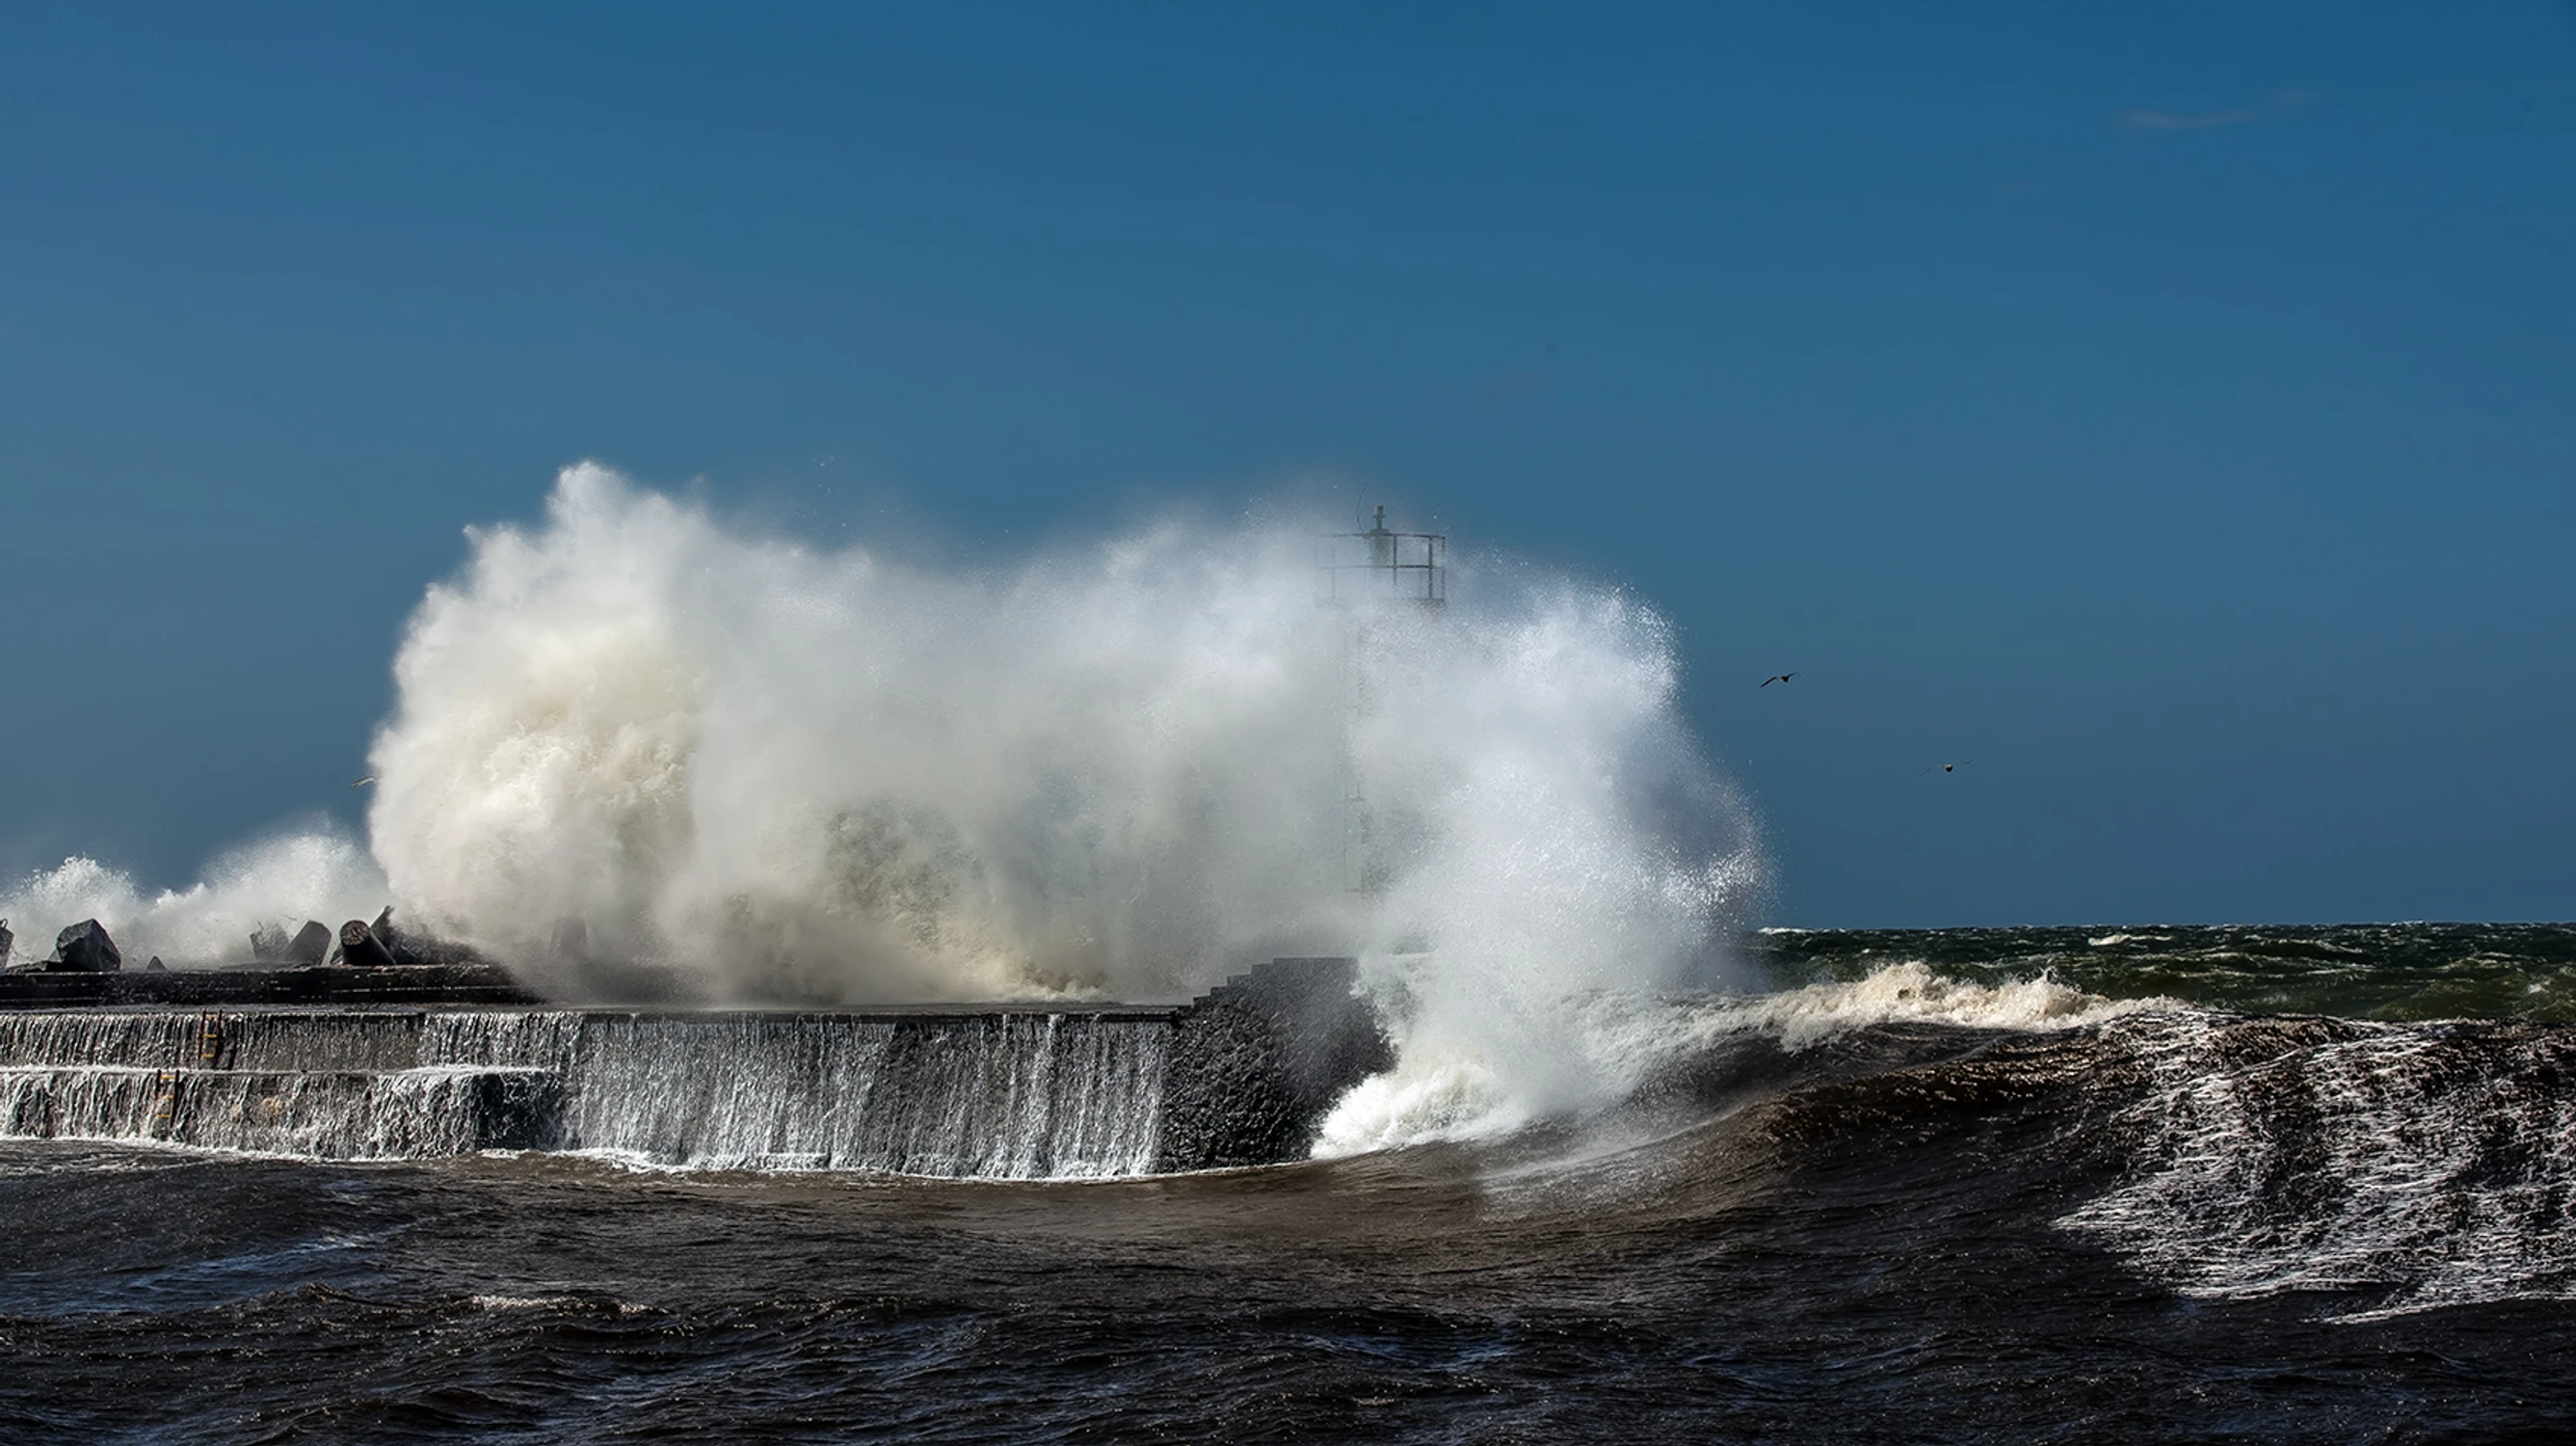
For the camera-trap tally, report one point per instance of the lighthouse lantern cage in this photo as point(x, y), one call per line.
point(1378, 566)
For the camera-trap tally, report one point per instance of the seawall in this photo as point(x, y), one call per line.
point(342, 1067)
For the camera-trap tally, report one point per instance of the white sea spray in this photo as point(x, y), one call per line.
point(637, 732)
point(1124, 769)
point(313, 871)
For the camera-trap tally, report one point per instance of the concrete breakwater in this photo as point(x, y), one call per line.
point(1239, 1076)
point(316, 984)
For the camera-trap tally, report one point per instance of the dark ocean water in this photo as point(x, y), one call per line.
point(2313, 1184)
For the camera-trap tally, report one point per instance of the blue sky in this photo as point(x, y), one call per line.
point(2172, 411)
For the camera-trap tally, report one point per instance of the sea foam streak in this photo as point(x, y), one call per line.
point(2289, 1154)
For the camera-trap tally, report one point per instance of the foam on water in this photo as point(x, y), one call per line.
point(2437, 1162)
point(1912, 992)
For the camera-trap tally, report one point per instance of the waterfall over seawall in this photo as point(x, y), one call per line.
point(990, 1096)
point(1236, 1078)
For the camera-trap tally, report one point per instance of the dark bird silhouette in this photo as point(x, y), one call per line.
point(1777, 678)
point(1949, 767)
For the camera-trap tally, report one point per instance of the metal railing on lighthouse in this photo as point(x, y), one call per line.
point(1356, 569)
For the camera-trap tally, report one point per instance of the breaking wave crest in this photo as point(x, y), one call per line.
point(1126, 767)
point(1618, 1041)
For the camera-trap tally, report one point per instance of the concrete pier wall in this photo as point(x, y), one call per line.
point(254, 1060)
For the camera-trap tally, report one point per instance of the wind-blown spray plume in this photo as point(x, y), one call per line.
point(785, 774)
point(311, 872)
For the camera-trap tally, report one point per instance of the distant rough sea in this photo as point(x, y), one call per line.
point(2135, 1184)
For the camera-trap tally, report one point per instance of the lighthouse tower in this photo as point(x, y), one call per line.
point(1370, 578)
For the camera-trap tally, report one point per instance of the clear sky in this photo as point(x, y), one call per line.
point(2170, 409)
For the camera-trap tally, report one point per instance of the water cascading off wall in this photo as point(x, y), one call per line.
point(1238, 1077)
point(990, 1096)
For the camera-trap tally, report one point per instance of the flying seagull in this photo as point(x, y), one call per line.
point(363, 782)
point(1949, 767)
point(1777, 678)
